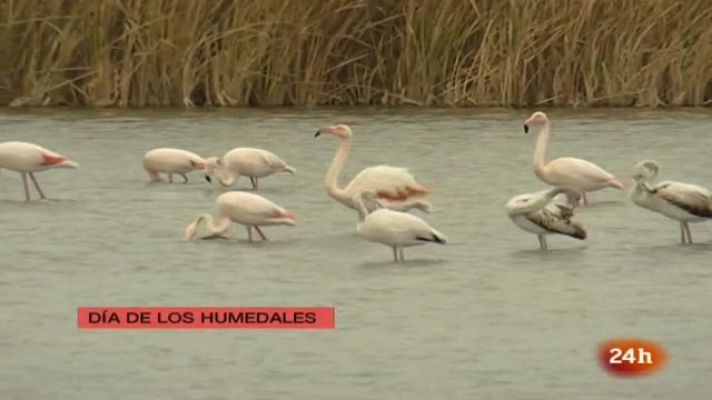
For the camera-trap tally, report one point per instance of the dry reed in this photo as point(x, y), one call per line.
point(349, 52)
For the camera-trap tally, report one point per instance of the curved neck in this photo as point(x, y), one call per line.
point(540, 203)
point(644, 186)
point(331, 181)
point(361, 209)
point(223, 223)
point(540, 150)
point(226, 176)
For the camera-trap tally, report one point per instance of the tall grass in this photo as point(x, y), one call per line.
point(347, 52)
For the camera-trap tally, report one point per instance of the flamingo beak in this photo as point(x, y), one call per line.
point(317, 133)
point(526, 128)
point(208, 178)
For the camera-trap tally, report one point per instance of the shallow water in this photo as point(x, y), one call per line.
point(487, 316)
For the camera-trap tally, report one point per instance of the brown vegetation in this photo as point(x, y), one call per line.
point(348, 52)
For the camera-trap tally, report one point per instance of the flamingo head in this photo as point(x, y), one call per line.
point(341, 131)
point(645, 170)
point(536, 120)
point(211, 164)
point(370, 201)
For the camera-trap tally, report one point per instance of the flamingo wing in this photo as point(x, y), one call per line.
point(565, 170)
point(389, 183)
point(398, 228)
point(261, 208)
point(691, 198)
point(272, 160)
point(557, 220)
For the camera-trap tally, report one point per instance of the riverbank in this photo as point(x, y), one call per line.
point(456, 53)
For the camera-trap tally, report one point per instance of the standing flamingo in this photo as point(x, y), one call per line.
point(254, 163)
point(395, 187)
point(171, 161)
point(569, 173)
point(28, 158)
point(392, 228)
point(244, 208)
point(682, 202)
point(544, 214)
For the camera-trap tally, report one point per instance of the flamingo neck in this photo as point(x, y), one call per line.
point(226, 176)
point(361, 209)
point(540, 203)
point(540, 150)
point(644, 187)
point(223, 223)
point(331, 181)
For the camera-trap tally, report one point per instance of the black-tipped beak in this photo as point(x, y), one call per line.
point(526, 128)
point(317, 134)
point(208, 178)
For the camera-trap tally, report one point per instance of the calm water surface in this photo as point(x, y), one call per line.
point(488, 316)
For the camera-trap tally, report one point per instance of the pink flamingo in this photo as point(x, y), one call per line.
point(394, 187)
point(254, 163)
point(28, 158)
point(568, 173)
point(248, 209)
point(171, 161)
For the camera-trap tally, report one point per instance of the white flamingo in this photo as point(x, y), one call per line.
point(245, 161)
point(682, 202)
point(540, 213)
point(395, 187)
point(28, 158)
point(248, 209)
point(171, 161)
point(570, 173)
point(392, 228)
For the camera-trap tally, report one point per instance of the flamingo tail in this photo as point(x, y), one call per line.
point(618, 184)
point(435, 237)
point(286, 217)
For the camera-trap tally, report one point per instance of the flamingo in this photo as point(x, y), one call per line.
point(393, 228)
point(254, 163)
point(248, 209)
point(171, 161)
point(543, 214)
point(28, 158)
point(570, 173)
point(395, 187)
point(682, 202)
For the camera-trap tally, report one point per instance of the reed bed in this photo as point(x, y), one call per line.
point(191, 53)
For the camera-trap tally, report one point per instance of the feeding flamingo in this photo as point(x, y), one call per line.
point(395, 187)
point(569, 173)
point(253, 163)
point(392, 228)
point(247, 209)
point(540, 213)
point(682, 202)
point(171, 161)
point(28, 158)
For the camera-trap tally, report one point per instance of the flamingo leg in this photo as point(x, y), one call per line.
point(253, 180)
point(584, 198)
point(170, 178)
point(37, 186)
point(185, 178)
point(689, 235)
point(395, 254)
point(262, 235)
point(682, 233)
point(542, 243)
point(24, 184)
point(402, 257)
point(249, 233)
